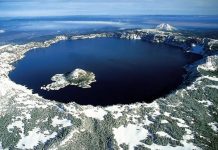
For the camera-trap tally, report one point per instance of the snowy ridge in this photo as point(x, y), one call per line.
point(189, 44)
point(210, 65)
point(165, 27)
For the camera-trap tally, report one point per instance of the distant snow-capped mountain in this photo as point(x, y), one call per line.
point(165, 27)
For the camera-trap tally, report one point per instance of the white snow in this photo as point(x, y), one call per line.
point(130, 135)
point(69, 137)
point(4, 46)
point(146, 121)
point(213, 44)
point(33, 138)
point(214, 126)
point(186, 138)
point(165, 27)
point(116, 110)
point(212, 86)
point(179, 119)
point(95, 112)
point(76, 73)
point(63, 122)
point(187, 146)
point(117, 115)
point(1, 148)
point(210, 64)
point(61, 80)
point(180, 123)
point(156, 109)
point(161, 133)
point(166, 114)
point(160, 147)
point(206, 102)
point(164, 121)
point(19, 124)
point(72, 109)
point(212, 78)
point(191, 87)
point(28, 116)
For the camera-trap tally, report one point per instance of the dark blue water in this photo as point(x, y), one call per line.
point(126, 71)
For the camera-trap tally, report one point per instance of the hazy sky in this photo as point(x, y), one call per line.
point(107, 7)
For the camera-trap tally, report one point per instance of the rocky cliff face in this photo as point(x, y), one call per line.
point(192, 44)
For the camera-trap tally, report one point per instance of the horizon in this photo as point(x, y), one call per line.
point(34, 8)
point(126, 15)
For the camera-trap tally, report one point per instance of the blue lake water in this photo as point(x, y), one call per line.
point(126, 71)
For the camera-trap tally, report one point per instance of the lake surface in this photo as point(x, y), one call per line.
point(126, 71)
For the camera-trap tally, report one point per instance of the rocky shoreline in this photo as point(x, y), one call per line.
point(190, 44)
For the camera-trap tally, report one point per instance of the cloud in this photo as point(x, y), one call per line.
point(106, 7)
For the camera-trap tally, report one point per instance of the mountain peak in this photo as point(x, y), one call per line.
point(165, 27)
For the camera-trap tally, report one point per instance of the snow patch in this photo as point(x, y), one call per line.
point(63, 122)
point(97, 113)
point(28, 116)
point(69, 137)
point(33, 138)
point(191, 87)
point(19, 124)
point(212, 86)
point(180, 123)
point(186, 145)
point(167, 114)
point(130, 135)
point(165, 27)
point(156, 109)
point(115, 110)
point(214, 126)
point(210, 64)
point(164, 121)
point(206, 102)
point(161, 133)
point(212, 78)
point(146, 121)
point(1, 148)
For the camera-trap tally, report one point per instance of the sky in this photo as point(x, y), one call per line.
point(14, 8)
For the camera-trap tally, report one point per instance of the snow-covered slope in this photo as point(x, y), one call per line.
point(165, 27)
